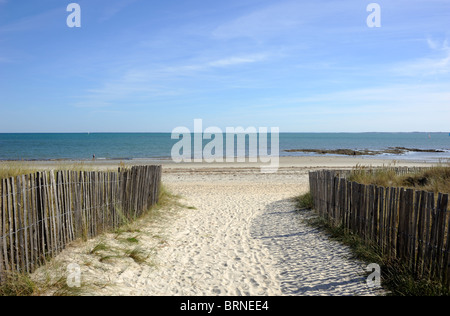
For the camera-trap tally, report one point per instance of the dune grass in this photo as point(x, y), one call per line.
point(13, 169)
point(397, 278)
point(22, 284)
point(305, 201)
point(434, 179)
point(17, 168)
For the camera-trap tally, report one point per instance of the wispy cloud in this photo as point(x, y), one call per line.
point(225, 62)
point(438, 63)
point(289, 60)
point(152, 81)
point(34, 22)
point(401, 97)
point(233, 61)
point(261, 23)
point(286, 17)
point(113, 8)
point(394, 108)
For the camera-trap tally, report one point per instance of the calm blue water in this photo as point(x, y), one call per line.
point(159, 145)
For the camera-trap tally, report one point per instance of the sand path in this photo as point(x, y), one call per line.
point(244, 237)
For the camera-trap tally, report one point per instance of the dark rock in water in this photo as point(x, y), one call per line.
point(347, 152)
point(352, 152)
point(418, 150)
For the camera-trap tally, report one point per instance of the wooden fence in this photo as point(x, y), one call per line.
point(408, 225)
point(41, 213)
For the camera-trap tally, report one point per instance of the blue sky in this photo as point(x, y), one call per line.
point(149, 66)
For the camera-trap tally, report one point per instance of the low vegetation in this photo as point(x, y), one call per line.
point(17, 168)
point(397, 278)
point(435, 179)
point(122, 243)
point(305, 201)
point(13, 169)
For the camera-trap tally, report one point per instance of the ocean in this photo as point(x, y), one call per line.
point(128, 146)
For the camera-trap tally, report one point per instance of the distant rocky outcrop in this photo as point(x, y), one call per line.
point(365, 152)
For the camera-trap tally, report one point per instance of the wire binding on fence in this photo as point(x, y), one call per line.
point(413, 226)
point(41, 213)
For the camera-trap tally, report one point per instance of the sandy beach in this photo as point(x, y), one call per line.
point(236, 232)
point(111, 95)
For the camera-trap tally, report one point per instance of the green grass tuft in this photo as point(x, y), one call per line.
point(397, 279)
point(17, 285)
point(99, 247)
point(305, 201)
point(138, 255)
point(132, 240)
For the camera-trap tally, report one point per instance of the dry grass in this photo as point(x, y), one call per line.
point(16, 168)
point(397, 279)
point(435, 179)
point(123, 243)
point(17, 285)
point(13, 169)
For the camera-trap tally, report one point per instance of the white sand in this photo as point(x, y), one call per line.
point(244, 237)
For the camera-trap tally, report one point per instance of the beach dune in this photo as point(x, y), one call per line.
point(238, 233)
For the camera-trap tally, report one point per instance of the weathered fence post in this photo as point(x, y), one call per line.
point(41, 213)
point(412, 226)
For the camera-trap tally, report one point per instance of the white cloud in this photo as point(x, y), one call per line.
point(261, 23)
point(396, 94)
point(438, 63)
point(236, 60)
point(150, 82)
point(432, 44)
point(397, 100)
point(41, 20)
point(396, 108)
point(113, 8)
point(288, 18)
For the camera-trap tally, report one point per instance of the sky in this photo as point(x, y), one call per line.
point(152, 66)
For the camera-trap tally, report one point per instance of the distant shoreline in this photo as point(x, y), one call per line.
point(392, 153)
point(303, 162)
point(158, 146)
